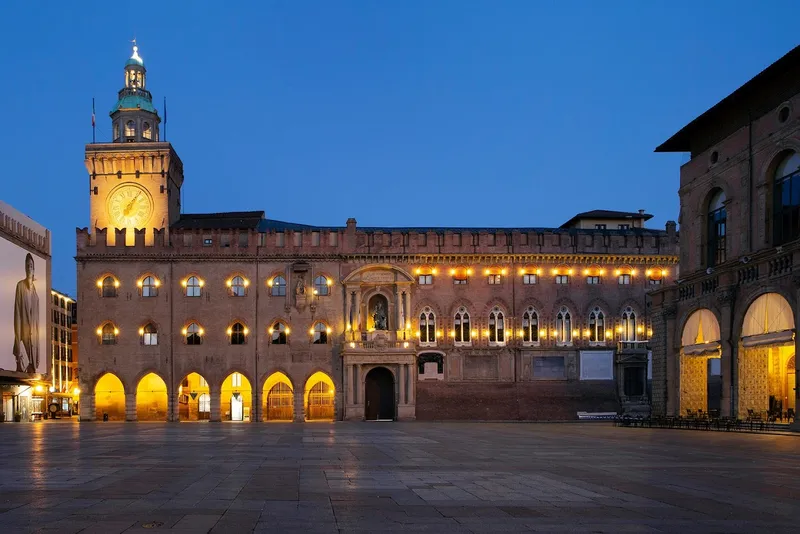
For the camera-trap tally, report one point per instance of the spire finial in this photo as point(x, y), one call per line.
point(135, 51)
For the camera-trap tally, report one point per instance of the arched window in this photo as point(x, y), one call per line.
point(427, 326)
point(563, 326)
point(597, 326)
point(320, 333)
point(194, 287)
point(237, 333)
point(130, 129)
point(109, 287)
point(786, 199)
point(149, 334)
point(279, 332)
point(321, 286)
point(278, 286)
point(204, 403)
point(461, 326)
point(147, 132)
point(497, 330)
point(238, 286)
point(717, 228)
point(149, 286)
point(530, 326)
point(115, 135)
point(194, 334)
point(109, 334)
point(628, 325)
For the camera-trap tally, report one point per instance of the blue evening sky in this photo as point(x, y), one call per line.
point(415, 113)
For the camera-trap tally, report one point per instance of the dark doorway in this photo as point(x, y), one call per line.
point(379, 395)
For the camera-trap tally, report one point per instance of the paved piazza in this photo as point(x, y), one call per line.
point(381, 477)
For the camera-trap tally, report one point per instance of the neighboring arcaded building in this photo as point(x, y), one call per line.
point(725, 334)
point(64, 390)
point(235, 316)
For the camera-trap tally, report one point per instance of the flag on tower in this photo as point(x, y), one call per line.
point(92, 112)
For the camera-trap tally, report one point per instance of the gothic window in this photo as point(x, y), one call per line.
point(109, 287)
point(193, 287)
point(322, 286)
point(238, 286)
point(563, 326)
point(149, 334)
point(278, 286)
point(628, 325)
point(497, 331)
point(193, 334)
point(530, 326)
point(597, 325)
point(109, 334)
point(279, 332)
point(461, 327)
point(717, 229)
point(427, 327)
point(147, 132)
point(786, 199)
point(149, 286)
point(130, 129)
point(238, 334)
point(320, 333)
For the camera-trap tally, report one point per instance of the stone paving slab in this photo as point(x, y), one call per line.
point(404, 477)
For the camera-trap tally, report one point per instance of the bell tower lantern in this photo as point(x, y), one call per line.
point(134, 119)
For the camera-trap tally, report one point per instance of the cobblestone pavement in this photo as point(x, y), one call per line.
point(383, 477)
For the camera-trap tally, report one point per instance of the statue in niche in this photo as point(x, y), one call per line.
point(379, 317)
point(300, 288)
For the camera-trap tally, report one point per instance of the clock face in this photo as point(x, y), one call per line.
point(129, 206)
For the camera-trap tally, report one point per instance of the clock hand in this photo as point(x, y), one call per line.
point(129, 207)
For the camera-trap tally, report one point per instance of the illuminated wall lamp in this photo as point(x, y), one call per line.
point(141, 331)
point(269, 282)
point(609, 334)
point(329, 330)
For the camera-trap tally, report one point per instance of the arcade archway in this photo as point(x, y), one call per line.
point(766, 352)
point(701, 376)
point(109, 398)
point(151, 398)
point(194, 399)
point(236, 398)
point(279, 398)
point(319, 397)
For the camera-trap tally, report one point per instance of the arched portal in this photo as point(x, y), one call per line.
point(319, 397)
point(194, 399)
point(379, 399)
point(765, 349)
point(279, 398)
point(109, 398)
point(236, 399)
point(151, 398)
point(701, 373)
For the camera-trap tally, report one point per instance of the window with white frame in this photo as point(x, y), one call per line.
point(279, 333)
point(109, 287)
point(109, 334)
point(425, 279)
point(321, 286)
point(204, 403)
point(628, 325)
point(495, 279)
point(461, 327)
point(530, 326)
point(563, 326)
point(427, 326)
point(149, 287)
point(237, 286)
point(149, 334)
point(530, 279)
point(592, 280)
point(597, 325)
point(278, 288)
point(236, 380)
point(194, 334)
point(497, 327)
point(625, 279)
point(320, 334)
point(562, 279)
point(193, 287)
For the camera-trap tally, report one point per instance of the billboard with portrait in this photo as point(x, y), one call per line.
point(24, 308)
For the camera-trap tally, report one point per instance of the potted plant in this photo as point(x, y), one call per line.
point(17, 416)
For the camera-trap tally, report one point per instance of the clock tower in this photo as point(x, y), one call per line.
point(135, 180)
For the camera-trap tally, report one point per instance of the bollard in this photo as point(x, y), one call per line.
point(105, 417)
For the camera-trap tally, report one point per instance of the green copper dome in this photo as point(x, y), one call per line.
point(135, 59)
point(133, 102)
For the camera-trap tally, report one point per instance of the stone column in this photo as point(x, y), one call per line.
point(408, 305)
point(299, 407)
point(402, 378)
point(357, 314)
point(348, 318)
point(255, 405)
point(216, 398)
point(87, 407)
point(796, 392)
point(130, 406)
point(398, 312)
point(358, 395)
point(728, 361)
point(346, 386)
